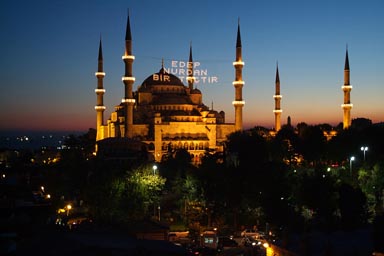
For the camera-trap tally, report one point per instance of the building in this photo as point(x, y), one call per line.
point(163, 113)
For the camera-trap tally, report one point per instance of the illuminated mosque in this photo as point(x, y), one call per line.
point(165, 115)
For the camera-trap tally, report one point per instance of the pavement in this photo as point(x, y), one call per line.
point(83, 243)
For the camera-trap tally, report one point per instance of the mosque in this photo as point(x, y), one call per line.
point(163, 114)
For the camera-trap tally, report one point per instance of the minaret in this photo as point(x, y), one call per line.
point(128, 81)
point(238, 103)
point(347, 106)
point(277, 98)
point(99, 94)
point(190, 76)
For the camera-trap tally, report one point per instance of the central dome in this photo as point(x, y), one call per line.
point(162, 78)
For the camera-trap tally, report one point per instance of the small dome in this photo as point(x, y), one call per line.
point(195, 91)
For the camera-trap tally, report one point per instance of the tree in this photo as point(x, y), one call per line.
point(313, 144)
point(353, 208)
point(317, 193)
point(285, 145)
point(123, 199)
point(371, 182)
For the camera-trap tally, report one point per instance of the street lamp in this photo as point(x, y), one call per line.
point(364, 149)
point(154, 206)
point(350, 164)
point(69, 207)
point(154, 169)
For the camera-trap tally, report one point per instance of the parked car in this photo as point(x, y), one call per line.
point(226, 242)
point(259, 246)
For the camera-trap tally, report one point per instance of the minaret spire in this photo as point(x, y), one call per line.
point(99, 95)
point(346, 66)
point(128, 81)
point(347, 88)
point(190, 77)
point(128, 35)
point(277, 98)
point(238, 41)
point(238, 103)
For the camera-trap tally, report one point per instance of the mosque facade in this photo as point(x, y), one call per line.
point(163, 113)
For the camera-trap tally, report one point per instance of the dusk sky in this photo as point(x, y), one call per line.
point(49, 51)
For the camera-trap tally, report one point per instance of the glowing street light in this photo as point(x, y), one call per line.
point(350, 164)
point(154, 169)
point(364, 149)
point(69, 207)
point(154, 206)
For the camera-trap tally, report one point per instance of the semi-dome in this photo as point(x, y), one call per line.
point(162, 78)
point(195, 91)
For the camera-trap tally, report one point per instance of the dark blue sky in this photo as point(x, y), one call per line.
point(49, 56)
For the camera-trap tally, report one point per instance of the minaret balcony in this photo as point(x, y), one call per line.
point(238, 63)
point(238, 103)
point(238, 83)
point(128, 57)
point(346, 106)
point(128, 100)
point(191, 78)
point(100, 107)
point(277, 96)
point(99, 74)
point(128, 78)
point(346, 87)
point(277, 111)
point(99, 91)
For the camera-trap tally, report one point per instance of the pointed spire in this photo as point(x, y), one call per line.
point(277, 73)
point(346, 67)
point(238, 42)
point(100, 50)
point(128, 35)
point(190, 52)
point(162, 70)
point(100, 58)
